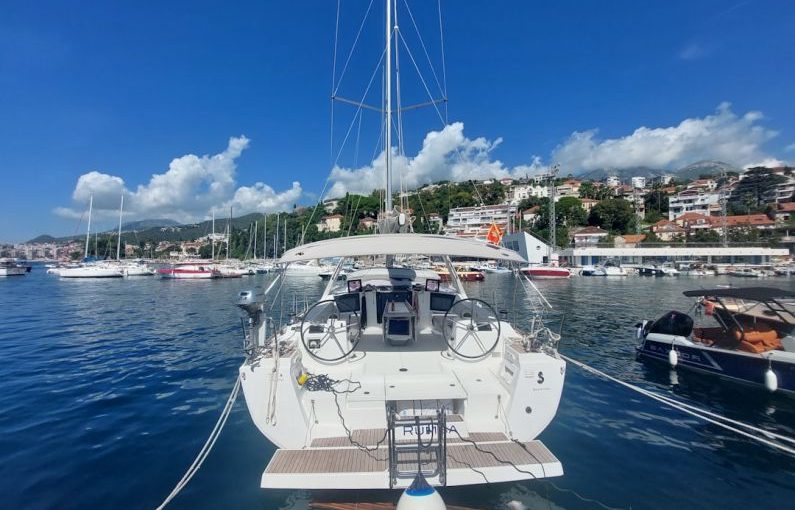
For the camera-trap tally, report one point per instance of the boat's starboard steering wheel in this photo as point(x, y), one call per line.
point(320, 322)
point(471, 322)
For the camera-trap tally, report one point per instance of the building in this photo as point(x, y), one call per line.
point(695, 200)
point(637, 256)
point(629, 240)
point(570, 188)
point(784, 211)
point(589, 236)
point(475, 221)
point(704, 184)
point(691, 221)
point(332, 223)
point(520, 192)
point(330, 204)
point(367, 224)
point(667, 230)
point(529, 216)
point(588, 204)
point(528, 246)
point(638, 182)
point(435, 222)
point(613, 181)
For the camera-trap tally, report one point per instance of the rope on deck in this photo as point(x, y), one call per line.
point(208, 446)
point(702, 414)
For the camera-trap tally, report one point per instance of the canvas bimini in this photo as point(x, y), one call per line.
point(390, 373)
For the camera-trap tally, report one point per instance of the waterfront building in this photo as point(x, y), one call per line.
point(476, 221)
point(629, 240)
point(533, 249)
point(638, 182)
point(636, 256)
point(667, 230)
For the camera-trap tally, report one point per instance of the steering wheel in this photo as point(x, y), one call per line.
point(323, 321)
point(475, 317)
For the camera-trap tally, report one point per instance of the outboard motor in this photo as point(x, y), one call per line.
point(247, 301)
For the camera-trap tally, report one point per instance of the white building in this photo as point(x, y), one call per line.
point(528, 246)
point(693, 200)
point(521, 192)
point(638, 182)
point(613, 181)
point(476, 221)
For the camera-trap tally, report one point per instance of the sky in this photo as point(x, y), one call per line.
point(191, 107)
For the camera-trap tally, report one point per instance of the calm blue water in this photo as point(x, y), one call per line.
point(108, 389)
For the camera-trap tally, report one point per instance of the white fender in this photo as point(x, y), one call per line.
point(771, 381)
point(673, 358)
point(420, 496)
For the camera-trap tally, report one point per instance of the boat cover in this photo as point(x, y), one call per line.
point(400, 244)
point(750, 293)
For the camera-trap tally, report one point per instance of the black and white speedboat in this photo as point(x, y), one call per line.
point(752, 339)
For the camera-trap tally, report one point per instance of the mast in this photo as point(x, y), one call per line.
point(255, 240)
point(228, 232)
point(285, 236)
point(276, 239)
point(212, 239)
point(388, 109)
point(264, 236)
point(88, 230)
point(118, 241)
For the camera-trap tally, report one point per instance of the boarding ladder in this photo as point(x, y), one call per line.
point(417, 444)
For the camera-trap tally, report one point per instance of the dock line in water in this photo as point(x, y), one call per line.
point(701, 414)
point(208, 446)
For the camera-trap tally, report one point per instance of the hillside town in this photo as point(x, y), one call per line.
point(749, 208)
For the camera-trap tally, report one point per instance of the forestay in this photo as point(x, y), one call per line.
point(400, 244)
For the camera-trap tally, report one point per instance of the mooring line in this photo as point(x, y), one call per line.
point(701, 414)
point(208, 446)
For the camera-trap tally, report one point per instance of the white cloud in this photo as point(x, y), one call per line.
point(723, 136)
point(790, 147)
point(694, 51)
point(445, 155)
point(187, 191)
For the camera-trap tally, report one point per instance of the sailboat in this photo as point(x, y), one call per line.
point(392, 373)
point(127, 268)
point(90, 269)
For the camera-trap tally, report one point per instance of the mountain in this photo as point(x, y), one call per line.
point(706, 167)
point(43, 239)
point(146, 224)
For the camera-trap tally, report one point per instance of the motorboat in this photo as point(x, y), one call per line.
point(9, 267)
point(666, 269)
point(545, 272)
point(492, 268)
point(309, 268)
point(592, 271)
point(745, 272)
point(189, 271)
point(232, 270)
point(612, 268)
point(750, 340)
point(464, 273)
point(393, 371)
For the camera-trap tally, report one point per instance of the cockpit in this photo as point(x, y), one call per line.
point(393, 308)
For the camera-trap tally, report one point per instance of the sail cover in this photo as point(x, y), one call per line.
point(400, 244)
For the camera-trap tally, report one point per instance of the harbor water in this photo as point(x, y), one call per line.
point(109, 388)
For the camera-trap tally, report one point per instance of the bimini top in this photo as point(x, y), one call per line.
point(400, 244)
point(750, 293)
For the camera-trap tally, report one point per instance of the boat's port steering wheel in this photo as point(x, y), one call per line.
point(321, 326)
point(471, 323)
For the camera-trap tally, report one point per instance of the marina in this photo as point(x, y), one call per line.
point(142, 393)
point(583, 301)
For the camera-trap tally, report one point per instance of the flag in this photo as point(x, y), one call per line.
point(495, 234)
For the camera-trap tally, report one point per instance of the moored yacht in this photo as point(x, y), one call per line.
point(189, 271)
point(9, 267)
point(391, 366)
point(750, 340)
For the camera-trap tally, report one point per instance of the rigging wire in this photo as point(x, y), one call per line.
point(444, 66)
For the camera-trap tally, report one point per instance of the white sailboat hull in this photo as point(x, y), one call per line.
point(90, 272)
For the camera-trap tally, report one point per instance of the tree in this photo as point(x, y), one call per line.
point(614, 215)
point(569, 212)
